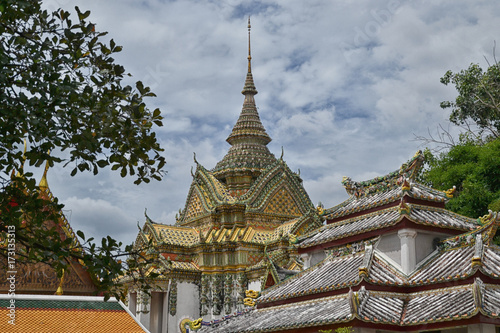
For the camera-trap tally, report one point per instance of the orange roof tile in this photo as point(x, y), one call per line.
point(47, 313)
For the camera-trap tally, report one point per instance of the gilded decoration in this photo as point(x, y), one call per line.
point(192, 324)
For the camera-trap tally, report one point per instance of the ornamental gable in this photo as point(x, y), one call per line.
point(282, 202)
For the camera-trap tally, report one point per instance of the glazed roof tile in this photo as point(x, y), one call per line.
point(383, 190)
point(383, 273)
point(173, 235)
point(402, 310)
point(445, 266)
point(441, 217)
point(47, 313)
point(332, 273)
point(362, 224)
point(417, 308)
point(491, 300)
point(338, 272)
point(296, 315)
point(491, 261)
point(377, 199)
point(425, 215)
point(440, 304)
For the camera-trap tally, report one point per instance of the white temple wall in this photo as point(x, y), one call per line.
point(390, 245)
point(143, 303)
point(316, 257)
point(426, 244)
point(156, 312)
point(254, 285)
point(132, 302)
point(187, 305)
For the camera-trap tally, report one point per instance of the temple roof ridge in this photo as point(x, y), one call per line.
point(407, 172)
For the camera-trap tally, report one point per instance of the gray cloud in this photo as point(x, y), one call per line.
point(342, 86)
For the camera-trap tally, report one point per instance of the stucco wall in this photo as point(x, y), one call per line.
point(390, 245)
point(188, 296)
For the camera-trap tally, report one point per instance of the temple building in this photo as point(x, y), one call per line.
point(391, 258)
point(238, 225)
point(34, 299)
point(40, 277)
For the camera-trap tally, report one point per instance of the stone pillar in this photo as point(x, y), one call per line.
point(481, 328)
point(408, 252)
point(143, 307)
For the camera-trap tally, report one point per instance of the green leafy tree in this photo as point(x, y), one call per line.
point(61, 91)
point(471, 163)
point(478, 100)
point(475, 171)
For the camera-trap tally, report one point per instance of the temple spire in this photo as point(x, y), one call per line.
point(249, 48)
point(248, 139)
point(249, 88)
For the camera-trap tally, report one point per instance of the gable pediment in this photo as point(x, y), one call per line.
point(278, 191)
point(282, 202)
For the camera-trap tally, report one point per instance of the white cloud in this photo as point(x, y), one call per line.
point(343, 85)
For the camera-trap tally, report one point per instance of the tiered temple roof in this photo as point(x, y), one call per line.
point(238, 220)
point(360, 284)
point(40, 277)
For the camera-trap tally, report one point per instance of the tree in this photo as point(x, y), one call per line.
point(475, 171)
point(471, 163)
point(478, 99)
point(62, 92)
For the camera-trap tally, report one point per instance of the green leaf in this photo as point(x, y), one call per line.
point(80, 234)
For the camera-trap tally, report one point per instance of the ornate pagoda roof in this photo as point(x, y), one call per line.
point(40, 277)
point(404, 311)
point(389, 217)
point(248, 139)
point(384, 190)
point(277, 192)
point(349, 266)
point(356, 282)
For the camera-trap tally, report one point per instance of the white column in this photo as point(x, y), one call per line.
point(408, 252)
point(481, 328)
point(132, 302)
point(156, 312)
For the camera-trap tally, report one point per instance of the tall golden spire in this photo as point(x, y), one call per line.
point(249, 48)
point(248, 139)
point(44, 185)
point(20, 172)
point(249, 88)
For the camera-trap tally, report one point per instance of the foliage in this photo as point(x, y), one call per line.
point(478, 99)
point(474, 168)
point(61, 91)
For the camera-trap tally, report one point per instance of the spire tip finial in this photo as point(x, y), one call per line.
point(249, 48)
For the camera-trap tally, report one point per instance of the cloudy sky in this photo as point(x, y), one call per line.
point(343, 86)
